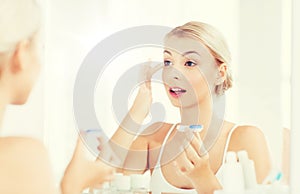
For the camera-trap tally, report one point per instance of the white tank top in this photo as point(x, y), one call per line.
point(160, 185)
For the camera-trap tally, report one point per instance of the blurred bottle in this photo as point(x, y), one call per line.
point(233, 175)
point(120, 184)
point(105, 189)
point(248, 170)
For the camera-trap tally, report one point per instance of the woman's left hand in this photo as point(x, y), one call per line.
point(197, 170)
point(198, 159)
point(83, 173)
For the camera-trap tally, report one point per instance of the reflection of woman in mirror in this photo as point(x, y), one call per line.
point(196, 70)
point(24, 162)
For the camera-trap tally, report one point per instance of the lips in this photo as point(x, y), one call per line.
point(176, 92)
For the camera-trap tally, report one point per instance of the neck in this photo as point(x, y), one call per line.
point(197, 114)
point(203, 113)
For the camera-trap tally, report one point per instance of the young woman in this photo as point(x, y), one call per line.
point(24, 162)
point(196, 74)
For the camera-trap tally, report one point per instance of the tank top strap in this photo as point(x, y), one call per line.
point(227, 142)
point(164, 144)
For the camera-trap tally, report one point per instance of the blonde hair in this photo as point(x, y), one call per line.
point(214, 41)
point(19, 20)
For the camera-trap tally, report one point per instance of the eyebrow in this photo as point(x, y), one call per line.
point(168, 52)
point(185, 53)
point(190, 52)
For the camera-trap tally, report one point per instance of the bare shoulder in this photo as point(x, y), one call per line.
point(16, 143)
point(247, 137)
point(253, 140)
point(24, 161)
point(22, 149)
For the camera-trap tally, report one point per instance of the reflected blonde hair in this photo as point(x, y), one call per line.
point(214, 41)
point(19, 20)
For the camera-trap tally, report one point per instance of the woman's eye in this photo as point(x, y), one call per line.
point(190, 64)
point(167, 63)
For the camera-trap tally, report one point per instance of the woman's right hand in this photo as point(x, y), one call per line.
point(142, 103)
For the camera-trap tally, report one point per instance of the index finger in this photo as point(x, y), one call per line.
point(153, 70)
point(198, 145)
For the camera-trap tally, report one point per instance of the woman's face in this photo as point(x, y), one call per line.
point(190, 71)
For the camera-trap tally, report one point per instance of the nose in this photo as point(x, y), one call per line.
point(172, 73)
point(175, 73)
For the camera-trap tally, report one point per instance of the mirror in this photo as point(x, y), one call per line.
point(257, 32)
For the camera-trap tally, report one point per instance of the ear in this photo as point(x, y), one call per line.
point(221, 77)
point(20, 56)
